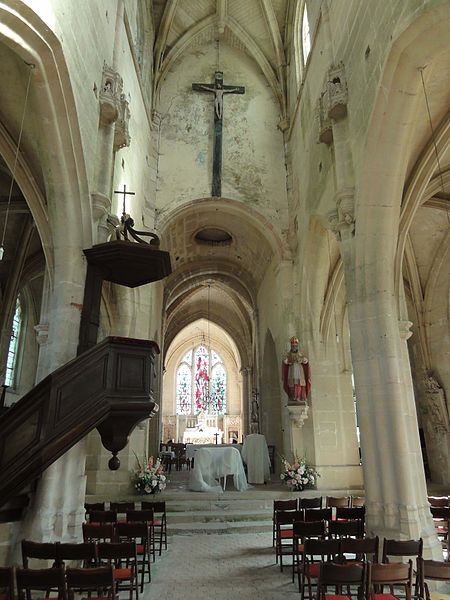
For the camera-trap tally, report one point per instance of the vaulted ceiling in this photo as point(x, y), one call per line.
point(256, 27)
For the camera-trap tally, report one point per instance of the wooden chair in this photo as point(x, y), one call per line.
point(123, 558)
point(98, 582)
point(359, 549)
point(441, 518)
point(160, 520)
point(101, 532)
point(356, 513)
point(310, 502)
point(7, 578)
point(318, 514)
point(439, 501)
point(102, 516)
point(347, 581)
point(283, 505)
point(433, 570)
point(301, 531)
point(335, 501)
point(93, 506)
point(84, 554)
point(344, 529)
point(284, 533)
point(140, 533)
point(357, 501)
point(398, 575)
point(38, 551)
point(145, 516)
point(30, 581)
point(121, 508)
point(400, 548)
point(315, 552)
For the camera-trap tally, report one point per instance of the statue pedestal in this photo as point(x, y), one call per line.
point(298, 413)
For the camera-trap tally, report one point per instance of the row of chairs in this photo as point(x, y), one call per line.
point(97, 582)
point(310, 552)
point(153, 513)
point(287, 511)
point(369, 580)
point(129, 557)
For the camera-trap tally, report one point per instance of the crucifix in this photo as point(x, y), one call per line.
point(219, 90)
point(216, 435)
point(125, 194)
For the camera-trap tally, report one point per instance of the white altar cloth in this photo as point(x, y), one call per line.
point(255, 454)
point(191, 449)
point(213, 463)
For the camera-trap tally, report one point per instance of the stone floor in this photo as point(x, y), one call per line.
point(220, 567)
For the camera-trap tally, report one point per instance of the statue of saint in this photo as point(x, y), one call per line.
point(296, 373)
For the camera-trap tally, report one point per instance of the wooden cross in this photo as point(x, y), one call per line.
point(219, 90)
point(125, 194)
point(216, 435)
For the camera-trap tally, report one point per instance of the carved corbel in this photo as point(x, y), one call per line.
point(342, 220)
point(109, 96)
point(336, 93)
point(298, 413)
point(323, 123)
point(41, 330)
point(121, 135)
point(405, 329)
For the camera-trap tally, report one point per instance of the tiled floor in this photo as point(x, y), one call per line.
point(220, 567)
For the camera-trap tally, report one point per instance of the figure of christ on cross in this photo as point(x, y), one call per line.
point(218, 89)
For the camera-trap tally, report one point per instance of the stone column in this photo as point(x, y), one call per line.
point(396, 493)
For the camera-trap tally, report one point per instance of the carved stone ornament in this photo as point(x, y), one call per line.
point(324, 127)
point(41, 333)
point(335, 97)
point(405, 329)
point(109, 96)
point(121, 135)
point(298, 413)
point(436, 405)
point(342, 220)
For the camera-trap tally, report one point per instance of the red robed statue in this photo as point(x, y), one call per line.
point(296, 373)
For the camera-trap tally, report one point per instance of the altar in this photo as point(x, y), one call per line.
point(205, 430)
point(215, 463)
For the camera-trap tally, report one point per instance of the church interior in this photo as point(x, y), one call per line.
point(186, 187)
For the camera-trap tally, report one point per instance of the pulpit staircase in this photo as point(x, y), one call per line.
point(108, 387)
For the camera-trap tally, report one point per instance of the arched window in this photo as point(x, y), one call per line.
point(201, 376)
point(13, 350)
point(306, 36)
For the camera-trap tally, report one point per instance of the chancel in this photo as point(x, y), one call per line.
point(187, 265)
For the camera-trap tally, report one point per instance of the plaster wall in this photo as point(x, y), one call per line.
point(253, 169)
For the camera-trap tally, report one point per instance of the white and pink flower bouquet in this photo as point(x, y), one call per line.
point(298, 475)
point(149, 476)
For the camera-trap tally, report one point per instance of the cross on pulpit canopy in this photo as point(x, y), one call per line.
point(218, 89)
point(125, 194)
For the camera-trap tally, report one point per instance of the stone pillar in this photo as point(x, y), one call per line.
point(396, 493)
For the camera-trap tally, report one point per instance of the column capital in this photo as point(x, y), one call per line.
point(298, 413)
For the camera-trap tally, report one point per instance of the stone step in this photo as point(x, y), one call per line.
point(230, 516)
point(219, 527)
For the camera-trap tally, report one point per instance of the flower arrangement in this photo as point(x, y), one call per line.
point(149, 477)
point(298, 475)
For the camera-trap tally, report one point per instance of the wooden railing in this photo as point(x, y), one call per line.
point(108, 387)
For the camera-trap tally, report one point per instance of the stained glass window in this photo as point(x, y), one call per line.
point(11, 361)
point(184, 390)
point(201, 378)
point(196, 381)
